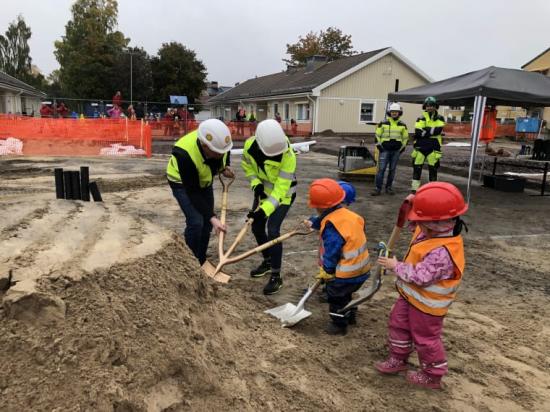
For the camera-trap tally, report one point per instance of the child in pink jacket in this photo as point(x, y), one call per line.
point(427, 281)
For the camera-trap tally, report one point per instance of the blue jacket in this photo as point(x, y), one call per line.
point(333, 243)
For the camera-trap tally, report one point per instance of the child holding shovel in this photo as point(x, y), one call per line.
point(427, 281)
point(343, 253)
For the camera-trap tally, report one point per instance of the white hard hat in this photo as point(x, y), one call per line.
point(395, 107)
point(216, 135)
point(271, 138)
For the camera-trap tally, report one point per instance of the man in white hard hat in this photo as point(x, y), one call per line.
point(391, 139)
point(196, 158)
point(270, 164)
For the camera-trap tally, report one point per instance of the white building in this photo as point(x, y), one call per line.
point(17, 97)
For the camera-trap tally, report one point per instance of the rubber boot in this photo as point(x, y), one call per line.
point(389, 191)
point(274, 285)
point(391, 366)
point(421, 378)
point(261, 270)
point(376, 192)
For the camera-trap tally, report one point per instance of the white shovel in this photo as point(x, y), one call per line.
point(290, 314)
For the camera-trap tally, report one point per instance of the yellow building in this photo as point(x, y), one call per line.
point(346, 95)
point(540, 64)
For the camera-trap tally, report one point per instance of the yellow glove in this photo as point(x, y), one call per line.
point(323, 276)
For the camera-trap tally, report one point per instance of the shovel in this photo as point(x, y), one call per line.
point(290, 314)
point(366, 293)
point(207, 266)
point(215, 271)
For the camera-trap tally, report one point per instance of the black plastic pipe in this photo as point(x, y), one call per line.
point(68, 185)
point(59, 188)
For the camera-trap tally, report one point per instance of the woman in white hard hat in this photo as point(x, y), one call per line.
point(270, 164)
point(391, 139)
point(196, 158)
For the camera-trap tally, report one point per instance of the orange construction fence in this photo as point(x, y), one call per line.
point(173, 129)
point(74, 137)
point(465, 129)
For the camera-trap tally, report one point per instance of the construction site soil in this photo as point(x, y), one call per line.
point(108, 310)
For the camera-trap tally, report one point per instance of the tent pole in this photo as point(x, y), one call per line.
point(479, 108)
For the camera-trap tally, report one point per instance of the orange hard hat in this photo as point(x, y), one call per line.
point(325, 193)
point(437, 201)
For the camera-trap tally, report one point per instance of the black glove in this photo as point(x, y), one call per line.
point(259, 191)
point(379, 147)
point(257, 214)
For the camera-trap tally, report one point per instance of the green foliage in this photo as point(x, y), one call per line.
point(15, 57)
point(331, 43)
point(177, 71)
point(89, 49)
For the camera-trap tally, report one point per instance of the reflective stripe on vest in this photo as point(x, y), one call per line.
point(354, 259)
point(434, 299)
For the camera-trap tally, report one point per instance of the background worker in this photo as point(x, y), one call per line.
point(427, 142)
point(196, 158)
point(343, 253)
point(391, 139)
point(270, 164)
point(427, 281)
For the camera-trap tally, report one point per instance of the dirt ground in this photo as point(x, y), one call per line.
point(110, 312)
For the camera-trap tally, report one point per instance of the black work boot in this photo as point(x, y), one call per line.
point(274, 285)
point(261, 270)
point(376, 192)
point(336, 329)
point(389, 191)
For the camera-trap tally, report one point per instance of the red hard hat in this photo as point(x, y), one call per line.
point(325, 193)
point(437, 201)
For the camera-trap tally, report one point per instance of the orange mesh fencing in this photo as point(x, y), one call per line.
point(171, 130)
point(77, 137)
point(465, 129)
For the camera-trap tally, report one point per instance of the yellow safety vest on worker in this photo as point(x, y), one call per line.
point(431, 127)
point(354, 260)
point(436, 298)
point(190, 144)
point(277, 176)
point(391, 129)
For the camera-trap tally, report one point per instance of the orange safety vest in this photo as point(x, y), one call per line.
point(354, 259)
point(436, 298)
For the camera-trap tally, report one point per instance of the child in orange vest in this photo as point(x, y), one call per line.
point(427, 281)
point(343, 254)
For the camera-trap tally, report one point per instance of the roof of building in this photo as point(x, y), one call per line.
point(295, 80)
point(535, 58)
point(12, 83)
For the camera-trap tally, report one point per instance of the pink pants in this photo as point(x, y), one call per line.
point(409, 326)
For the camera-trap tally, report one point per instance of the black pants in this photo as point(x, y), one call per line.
point(432, 170)
point(273, 224)
point(339, 295)
point(197, 227)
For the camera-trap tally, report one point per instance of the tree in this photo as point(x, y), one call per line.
point(142, 76)
point(331, 43)
point(89, 49)
point(15, 58)
point(177, 71)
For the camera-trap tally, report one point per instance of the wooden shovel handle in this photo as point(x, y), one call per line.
point(267, 245)
point(238, 238)
point(223, 213)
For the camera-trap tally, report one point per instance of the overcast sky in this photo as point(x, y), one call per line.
point(238, 39)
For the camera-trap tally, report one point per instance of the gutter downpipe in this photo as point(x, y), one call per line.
point(314, 117)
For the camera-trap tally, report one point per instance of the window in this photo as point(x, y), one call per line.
point(302, 111)
point(457, 107)
point(275, 108)
point(367, 112)
point(287, 111)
